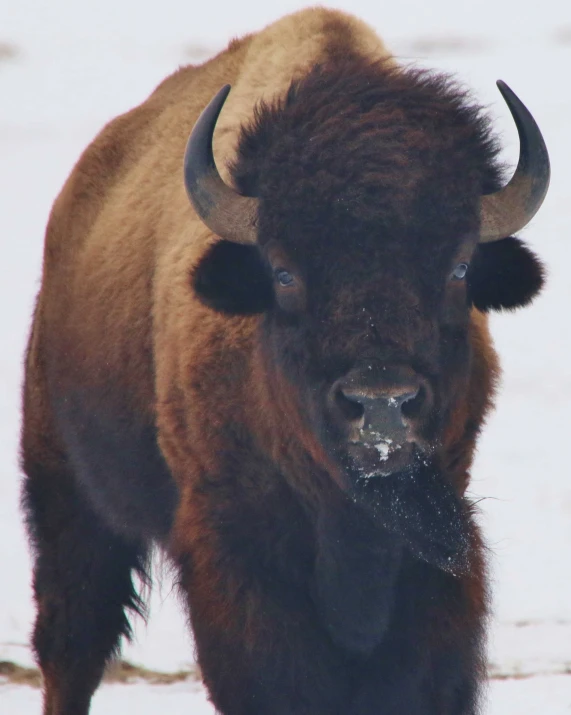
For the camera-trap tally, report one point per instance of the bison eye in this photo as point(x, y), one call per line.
point(284, 277)
point(460, 271)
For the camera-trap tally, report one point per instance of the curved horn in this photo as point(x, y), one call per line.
point(510, 209)
point(223, 210)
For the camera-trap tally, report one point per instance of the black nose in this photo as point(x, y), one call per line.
point(383, 414)
point(380, 404)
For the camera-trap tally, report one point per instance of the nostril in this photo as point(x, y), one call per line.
point(412, 403)
point(349, 407)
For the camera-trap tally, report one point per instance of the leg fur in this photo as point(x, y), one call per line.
point(82, 584)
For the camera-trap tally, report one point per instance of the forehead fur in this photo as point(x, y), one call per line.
point(360, 148)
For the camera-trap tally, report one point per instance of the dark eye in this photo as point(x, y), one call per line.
point(460, 271)
point(284, 277)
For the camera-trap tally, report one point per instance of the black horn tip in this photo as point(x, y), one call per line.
point(517, 108)
point(227, 213)
point(200, 141)
point(521, 114)
point(511, 208)
point(219, 98)
point(531, 140)
point(504, 87)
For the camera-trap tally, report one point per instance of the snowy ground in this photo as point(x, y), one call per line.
point(66, 68)
point(543, 695)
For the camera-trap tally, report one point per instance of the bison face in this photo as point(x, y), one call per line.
point(379, 345)
point(368, 361)
point(382, 356)
point(379, 225)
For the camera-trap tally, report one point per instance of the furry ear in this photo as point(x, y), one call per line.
point(504, 274)
point(233, 278)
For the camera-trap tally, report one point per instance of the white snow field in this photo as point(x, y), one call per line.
point(66, 68)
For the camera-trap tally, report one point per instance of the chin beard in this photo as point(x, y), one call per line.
point(419, 505)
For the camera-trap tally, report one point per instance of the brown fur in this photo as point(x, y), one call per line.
point(120, 337)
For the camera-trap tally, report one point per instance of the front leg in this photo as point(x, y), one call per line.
point(356, 569)
point(432, 659)
point(260, 645)
point(258, 657)
point(404, 678)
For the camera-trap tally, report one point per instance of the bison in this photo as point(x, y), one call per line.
point(280, 382)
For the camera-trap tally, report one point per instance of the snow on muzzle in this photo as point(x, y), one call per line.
point(382, 408)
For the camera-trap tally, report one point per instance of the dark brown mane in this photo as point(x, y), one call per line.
point(358, 142)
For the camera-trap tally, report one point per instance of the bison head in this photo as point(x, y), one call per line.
point(371, 220)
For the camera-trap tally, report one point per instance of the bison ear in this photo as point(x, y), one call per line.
point(233, 278)
point(504, 274)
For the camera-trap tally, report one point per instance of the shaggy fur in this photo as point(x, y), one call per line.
point(177, 393)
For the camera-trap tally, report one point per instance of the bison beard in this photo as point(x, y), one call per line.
point(420, 507)
point(219, 381)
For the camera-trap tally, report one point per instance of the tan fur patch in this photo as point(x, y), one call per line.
point(282, 52)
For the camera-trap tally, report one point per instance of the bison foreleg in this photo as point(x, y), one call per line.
point(82, 582)
point(262, 654)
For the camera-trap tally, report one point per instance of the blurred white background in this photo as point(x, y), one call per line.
point(68, 67)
